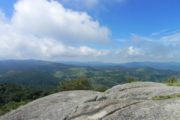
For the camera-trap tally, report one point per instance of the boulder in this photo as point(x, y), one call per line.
point(132, 101)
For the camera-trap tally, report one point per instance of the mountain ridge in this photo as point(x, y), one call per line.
point(49, 74)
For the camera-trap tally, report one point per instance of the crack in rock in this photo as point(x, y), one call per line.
point(100, 113)
point(115, 110)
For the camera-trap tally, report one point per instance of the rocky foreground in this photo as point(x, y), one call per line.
point(133, 101)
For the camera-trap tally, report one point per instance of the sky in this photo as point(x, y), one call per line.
point(114, 31)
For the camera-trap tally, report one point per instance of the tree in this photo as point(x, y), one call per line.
point(171, 81)
point(78, 84)
point(131, 79)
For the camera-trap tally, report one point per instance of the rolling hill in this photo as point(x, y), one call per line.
point(47, 75)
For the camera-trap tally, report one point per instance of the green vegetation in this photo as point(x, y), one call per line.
point(13, 96)
point(100, 88)
point(10, 106)
point(173, 81)
point(79, 84)
point(47, 76)
point(132, 79)
point(58, 74)
point(166, 97)
point(79, 72)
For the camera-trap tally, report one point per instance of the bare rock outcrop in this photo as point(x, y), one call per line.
point(132, 101)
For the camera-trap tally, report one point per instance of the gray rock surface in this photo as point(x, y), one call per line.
point(133, 101)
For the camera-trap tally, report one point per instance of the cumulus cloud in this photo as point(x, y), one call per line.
point(140, 48)
point(45, 29)
point(133, 51)
point(50, 19)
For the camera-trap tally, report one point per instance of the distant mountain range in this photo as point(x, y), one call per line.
point(47, 75)
point(30, 64)
point(174, 66)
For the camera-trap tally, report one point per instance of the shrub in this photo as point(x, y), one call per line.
point(173, 81)
point(100, 88)
point(10, 106)
point(132, 79)
point(78, 84)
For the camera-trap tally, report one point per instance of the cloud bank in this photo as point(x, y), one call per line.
point(159, 49)
point(44, 29)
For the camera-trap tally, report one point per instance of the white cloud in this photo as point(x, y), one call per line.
point(44, 29)
point(173, 38)
point(14, 44)
point(160, 32)
point(164, 48)
point(133, 51)
point(140, 48)
point(92, 52)
point(50, 19)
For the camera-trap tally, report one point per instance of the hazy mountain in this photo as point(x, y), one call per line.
point(30, 64)
point(45, 74)
point(90, 64)
point(175, 66)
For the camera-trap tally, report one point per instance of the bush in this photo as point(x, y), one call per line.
point(12, 96)
point(10, 106)
point(100, 88)
point(78, 84)
point(132, 79)
point(173, 81)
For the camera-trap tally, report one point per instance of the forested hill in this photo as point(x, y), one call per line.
point(44, 74)
point(174, 66)
point(6, 65)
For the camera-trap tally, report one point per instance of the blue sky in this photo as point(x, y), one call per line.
point(90, 30)
point(137, 16)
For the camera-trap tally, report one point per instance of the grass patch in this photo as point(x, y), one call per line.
point(166, 97)
point(174, 84)
point(11, 106)
point(173, 81)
